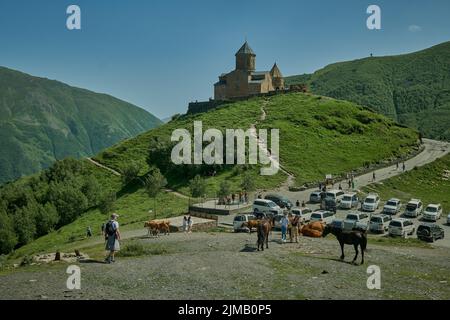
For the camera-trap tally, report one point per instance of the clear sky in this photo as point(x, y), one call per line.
point(162, 54)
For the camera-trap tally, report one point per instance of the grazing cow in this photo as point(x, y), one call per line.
point(313, 229)
point(155, 227)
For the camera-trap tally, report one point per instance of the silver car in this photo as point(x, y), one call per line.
point(379, 223)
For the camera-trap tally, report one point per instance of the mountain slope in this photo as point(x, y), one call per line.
point(43, 120)
point(318, 136)
point(413, 89)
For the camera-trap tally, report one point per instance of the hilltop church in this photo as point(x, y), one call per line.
point(244, 81)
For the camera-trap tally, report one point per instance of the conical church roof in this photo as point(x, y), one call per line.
point(275, 72)
point(245, 49)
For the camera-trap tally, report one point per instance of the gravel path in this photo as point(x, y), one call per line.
point(226, 266)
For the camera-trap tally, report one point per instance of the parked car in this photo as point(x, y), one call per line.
point(379, 223)
point(322, 216)
point(401, 227)
point(371, 203)
point(335, 195)
point(414, 208)
point(429, 232)
point(329, 204)
point(358, 220)
point(392, 206)
point(304, 213)
point(268, 207)
point(315, 197)
point(448, 219)
point(239, 221)
point(281, 201)
point(432, 212)
point(349, 201)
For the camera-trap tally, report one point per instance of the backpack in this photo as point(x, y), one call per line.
point(110, 230)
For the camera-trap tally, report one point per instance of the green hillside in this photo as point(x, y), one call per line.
point(318, 135)
point(430, 183)
point(43, 120)
point(342, 135)
point(413, 89)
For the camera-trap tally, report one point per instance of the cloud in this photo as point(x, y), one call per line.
point(414, 28)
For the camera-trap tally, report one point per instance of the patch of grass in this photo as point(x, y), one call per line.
point(399, 242)
point(135, 249)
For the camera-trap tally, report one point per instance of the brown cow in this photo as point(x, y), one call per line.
point(251, 224)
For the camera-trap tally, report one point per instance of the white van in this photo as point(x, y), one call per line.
point(414, 208)
point(401, 227)
point(267, 207)
point(335, 195)
point(239, 221)
point(349, 201)
point(303, 213)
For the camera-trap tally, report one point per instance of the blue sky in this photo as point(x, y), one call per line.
point(160, 55)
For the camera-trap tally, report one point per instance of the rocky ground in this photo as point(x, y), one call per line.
point(226, 266)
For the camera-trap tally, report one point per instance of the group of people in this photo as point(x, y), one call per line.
point(290, 223)
point(234, 198)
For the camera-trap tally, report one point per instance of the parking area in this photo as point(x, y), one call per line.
point(341, 214)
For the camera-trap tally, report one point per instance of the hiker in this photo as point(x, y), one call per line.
point(404, 167)
point(89, 232)
point(187, 223)
point(112, 231)
point(397, 165)
point(303, 204)
point(349, 183)
point(373, 176)
point(284, 226)
point(353, 184)
point(246, 197)
point(340, 186)
point(297, 203)
point(294, 229)
point(233, 198)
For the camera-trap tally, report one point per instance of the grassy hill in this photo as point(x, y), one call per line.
point(318, 136)
point(342, 135)
point(413, 89)
point(430, 183)
point(43, 120)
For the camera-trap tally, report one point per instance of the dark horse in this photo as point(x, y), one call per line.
point(355, 237)
point(263, 229)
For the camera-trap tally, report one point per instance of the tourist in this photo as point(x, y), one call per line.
point(353, 184)
point(246, 197)
point(340, 186)
point(294, 229)
point(397, 165)
point(297, 203)
point(284, 226)
point(373, 176)
point(404, 167)
point(112, 231)
point(89, 232)
point(303, 204)
point(187, 223)
point(349, 183)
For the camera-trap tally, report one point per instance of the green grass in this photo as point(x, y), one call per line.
point(135, 248)
point(133, 210)
point(318, 136)
point(426, 183)
point(399, 242)
point(412, 88)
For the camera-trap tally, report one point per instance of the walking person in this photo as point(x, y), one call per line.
point(349, 183)
point(294, 229)
point(187, 223)
point(340, 186)
point(89, 232)
point(404, 167)
point(113, 233)
point(373, 176)
point(297, 203)
point(397, 165)
point(284, 226)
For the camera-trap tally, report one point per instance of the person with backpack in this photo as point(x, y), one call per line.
point(113, 234)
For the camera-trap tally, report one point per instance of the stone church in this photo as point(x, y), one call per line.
point(244, 81)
